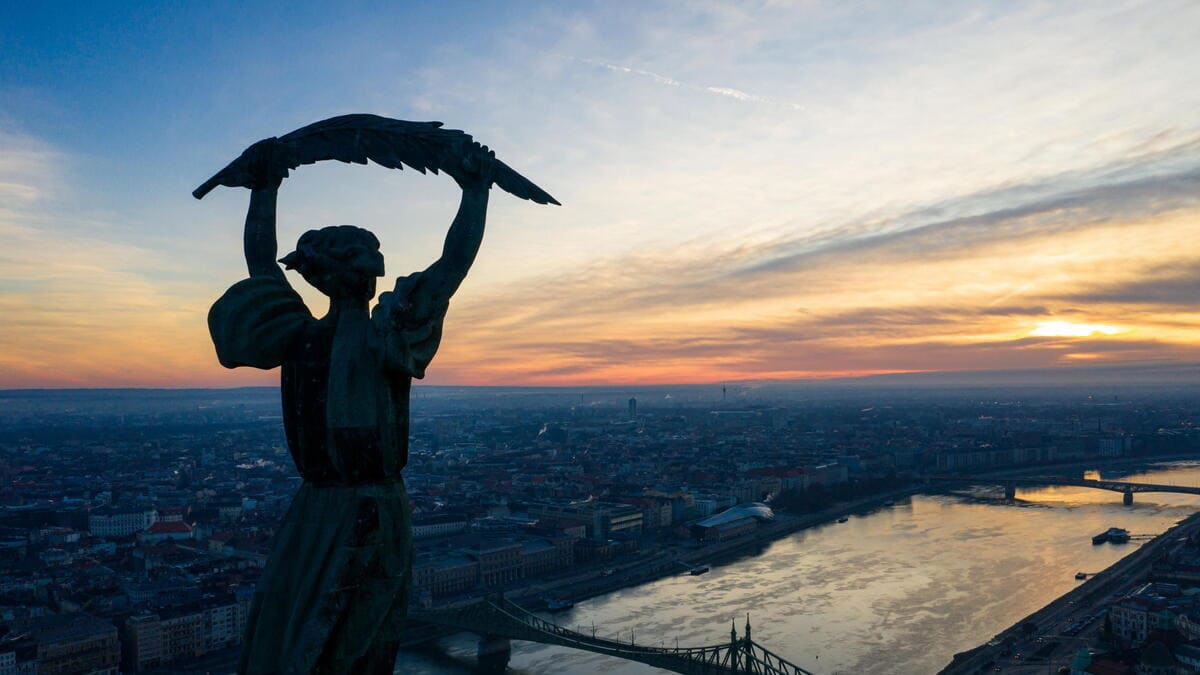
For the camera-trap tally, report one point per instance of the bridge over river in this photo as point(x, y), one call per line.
point(499, 620)
point(1011, 484)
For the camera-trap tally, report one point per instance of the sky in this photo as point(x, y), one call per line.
point(750, 190)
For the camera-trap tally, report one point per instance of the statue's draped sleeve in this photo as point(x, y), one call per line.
point(409, 323)
point(253, 323)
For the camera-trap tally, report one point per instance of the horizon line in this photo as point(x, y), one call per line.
point(1177, 370)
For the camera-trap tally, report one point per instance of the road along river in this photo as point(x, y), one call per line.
point(895, 590)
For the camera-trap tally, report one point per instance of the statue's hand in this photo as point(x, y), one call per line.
point(262, 165)
point(478, 168)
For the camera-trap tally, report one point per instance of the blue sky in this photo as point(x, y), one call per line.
point(750, 190)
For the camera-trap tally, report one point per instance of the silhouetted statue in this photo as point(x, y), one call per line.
point(334, 592)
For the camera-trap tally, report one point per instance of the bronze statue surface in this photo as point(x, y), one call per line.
point(334, 592)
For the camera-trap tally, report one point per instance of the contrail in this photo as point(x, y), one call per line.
point(727, 92)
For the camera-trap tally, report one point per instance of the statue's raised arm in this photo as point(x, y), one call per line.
point(259, 239)
point(441, 279)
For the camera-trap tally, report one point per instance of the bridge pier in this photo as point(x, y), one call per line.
point(1128, 498)
point(1010, 492)
point(493, 653)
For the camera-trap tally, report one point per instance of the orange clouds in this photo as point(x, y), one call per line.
point(1008, 292)
point(1012, 297)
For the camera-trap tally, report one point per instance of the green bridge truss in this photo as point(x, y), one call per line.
point(496, 616)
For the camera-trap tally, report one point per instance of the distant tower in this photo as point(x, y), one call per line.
point(633, 408)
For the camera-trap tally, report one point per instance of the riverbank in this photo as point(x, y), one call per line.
point(667, 562)
point(602, 580)
point(673, 560)
point(1041, 626)
point(1109, 462)
point(676, 560)
point(802, 558)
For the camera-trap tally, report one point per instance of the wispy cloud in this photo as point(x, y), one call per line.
point(921, 291)
point(1176, 285)
point(703, 275)
point(25, 168)
point(727, 92)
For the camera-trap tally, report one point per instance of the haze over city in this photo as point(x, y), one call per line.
point(751, 191)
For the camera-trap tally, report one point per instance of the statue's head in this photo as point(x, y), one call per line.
point(340, 261)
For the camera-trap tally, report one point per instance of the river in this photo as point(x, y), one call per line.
point(896, 590)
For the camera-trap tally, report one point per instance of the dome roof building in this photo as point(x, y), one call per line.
point(733, 522)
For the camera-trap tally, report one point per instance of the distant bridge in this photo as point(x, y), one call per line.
point(1011, 484)
point(499, 620)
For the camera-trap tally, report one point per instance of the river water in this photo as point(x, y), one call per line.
point(894, 590)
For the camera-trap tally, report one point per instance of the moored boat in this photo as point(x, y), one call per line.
point(1116, 535)
point(556, 605)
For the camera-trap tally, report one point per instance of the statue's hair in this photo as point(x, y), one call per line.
point(334, 248)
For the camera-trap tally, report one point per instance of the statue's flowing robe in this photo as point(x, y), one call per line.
point(334, 592)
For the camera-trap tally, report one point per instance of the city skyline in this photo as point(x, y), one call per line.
point(754, 192)
point(151, 513)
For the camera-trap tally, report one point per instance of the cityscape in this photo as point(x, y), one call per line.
point(136, 523)
point(707, 337)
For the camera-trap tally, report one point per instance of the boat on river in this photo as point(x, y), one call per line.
point(843, 519)
point(699, 569)
point(1081, 575)
point(1115, 535)
point(557, 605)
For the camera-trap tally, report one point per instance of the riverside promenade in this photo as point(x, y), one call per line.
point(665, 561)
point(1038, 640)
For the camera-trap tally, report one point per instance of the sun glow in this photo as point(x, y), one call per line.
point(1068, 329)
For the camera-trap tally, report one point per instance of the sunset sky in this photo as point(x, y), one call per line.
point(750, 190)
